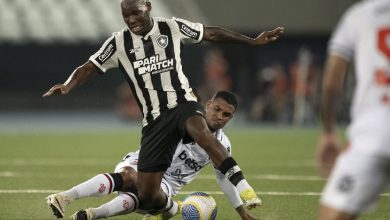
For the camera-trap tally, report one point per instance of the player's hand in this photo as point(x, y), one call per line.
point(57, 89)
point(327, 151)
point(269, 36)
point(244, 214)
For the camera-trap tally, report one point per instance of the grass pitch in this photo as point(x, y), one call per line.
point(278, 163)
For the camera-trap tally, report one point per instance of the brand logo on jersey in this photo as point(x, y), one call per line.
point(162, 41)
point(153, 65)
point(107, 52)
point(134, 50)
point(191, 163)
point(188, 31)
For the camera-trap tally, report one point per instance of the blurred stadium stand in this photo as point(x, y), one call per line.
point(72, 21)
point(42, 41)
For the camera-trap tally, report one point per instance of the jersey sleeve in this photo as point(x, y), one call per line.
point(344, 36)
point(190, 33)
point(226, 143)
point(106, 57)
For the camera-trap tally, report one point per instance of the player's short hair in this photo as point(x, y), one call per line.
point(229, 97)
point(141, 3)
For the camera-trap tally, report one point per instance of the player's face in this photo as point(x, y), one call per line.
point(218, 113)
point(136, 15)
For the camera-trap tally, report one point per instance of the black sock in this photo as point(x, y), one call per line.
point(118, 181)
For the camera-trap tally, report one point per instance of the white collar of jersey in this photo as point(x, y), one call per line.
point(218, 134)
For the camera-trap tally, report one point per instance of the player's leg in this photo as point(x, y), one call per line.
point(165, 186)
point(354, 185)
point(158, 144)
point(97, 186)
point(196, 127)
point(124, 203)
point(328, 213)
point(149, 193)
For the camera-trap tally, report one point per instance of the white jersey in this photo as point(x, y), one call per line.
point(188, 160)
point(186, 164)
point(363, 34)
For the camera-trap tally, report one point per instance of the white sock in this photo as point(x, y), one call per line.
point(120, 205)
point(172, 210)
point(97, 186)
point(243, 185)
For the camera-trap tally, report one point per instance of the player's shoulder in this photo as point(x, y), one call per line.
point(172, 22)
point(166, 20)
point(364, 7)
point(118, 34)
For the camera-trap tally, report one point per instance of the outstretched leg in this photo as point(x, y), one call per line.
point(124, 203)
point(97, 186)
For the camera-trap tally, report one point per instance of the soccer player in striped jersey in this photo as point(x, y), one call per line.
point(187, 162)
point(147, 51)
point(361, 171)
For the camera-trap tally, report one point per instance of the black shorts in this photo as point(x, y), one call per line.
point(161, 137)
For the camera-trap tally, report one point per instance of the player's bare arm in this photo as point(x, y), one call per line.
point(79, 76)
point(329, 144)
point(217, 34)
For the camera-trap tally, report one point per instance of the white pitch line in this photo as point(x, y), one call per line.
point(49, 191)
point(11, 174)
point(271, 177)
point(100, 161)
point(56, 162)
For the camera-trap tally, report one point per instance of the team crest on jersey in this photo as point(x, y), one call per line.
point(162, 41)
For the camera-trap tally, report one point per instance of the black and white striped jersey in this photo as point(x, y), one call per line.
point(152, 63)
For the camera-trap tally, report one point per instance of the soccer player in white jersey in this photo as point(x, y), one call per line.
point(361, 171)
point(187, 162)
point(148, 51)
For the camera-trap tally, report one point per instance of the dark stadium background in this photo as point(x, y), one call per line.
point(30, 65)
point(48, 145)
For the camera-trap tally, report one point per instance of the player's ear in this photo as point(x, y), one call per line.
point(148, 5)
point(208, 103)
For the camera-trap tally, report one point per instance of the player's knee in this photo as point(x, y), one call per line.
point(129, 177)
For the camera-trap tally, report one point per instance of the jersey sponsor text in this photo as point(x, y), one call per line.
point(153, 65)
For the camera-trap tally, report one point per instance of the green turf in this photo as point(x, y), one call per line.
point(58, 161)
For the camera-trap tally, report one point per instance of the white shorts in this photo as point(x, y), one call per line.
point(356, 182)
point(131, 160)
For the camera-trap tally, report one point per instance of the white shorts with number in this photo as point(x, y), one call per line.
point(356, 182)
point(131, 160)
